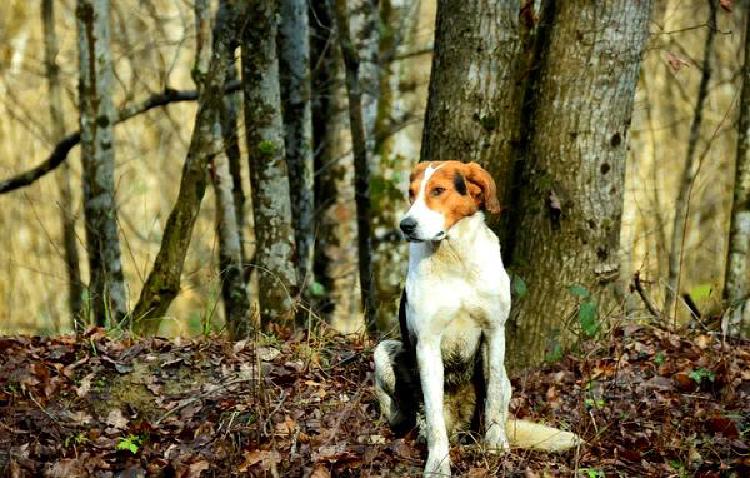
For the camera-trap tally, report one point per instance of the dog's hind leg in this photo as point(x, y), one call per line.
point(393, 385)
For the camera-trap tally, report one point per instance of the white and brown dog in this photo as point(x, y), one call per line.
point(453, 310)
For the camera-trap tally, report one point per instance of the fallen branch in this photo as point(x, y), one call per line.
point(644, 297)
point(60, 153)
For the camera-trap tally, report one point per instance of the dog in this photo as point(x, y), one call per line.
point(451, 357)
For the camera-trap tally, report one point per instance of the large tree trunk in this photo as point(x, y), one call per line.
point(233, 287)
point(294, 69)
point(335, 258)
point(72, 262)
point(163, 283)
point(692, 162)
point(474, 98)
point(107, 294)
point(567, 220)
point(264, 130)
point(735, 280)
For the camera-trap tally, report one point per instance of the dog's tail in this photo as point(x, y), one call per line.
point(525, 434)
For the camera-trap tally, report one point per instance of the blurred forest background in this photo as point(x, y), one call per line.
point(680, 156)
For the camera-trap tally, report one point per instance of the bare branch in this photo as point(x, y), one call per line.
point(60, 152)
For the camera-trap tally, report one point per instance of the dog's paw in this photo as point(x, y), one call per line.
point(495, 440)
point(438, 465)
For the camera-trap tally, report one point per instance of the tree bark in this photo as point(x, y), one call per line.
point(361, 168)
point(57, 120)
point(107, 294)
point(689, 173)
point(294, 71)
point(387, 173)
point(735, 278)
point(264, 130)
point(474, 101)
point(567, 220)
point(335, 258)
point(163, 282)
point(233, 286)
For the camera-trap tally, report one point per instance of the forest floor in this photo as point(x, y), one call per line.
point(648, 402)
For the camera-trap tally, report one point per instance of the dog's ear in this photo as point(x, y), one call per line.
point(486, 196)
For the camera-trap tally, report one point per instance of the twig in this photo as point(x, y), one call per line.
point(644, 297)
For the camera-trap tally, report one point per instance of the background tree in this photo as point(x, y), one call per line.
point(264, 132)
point(566, 222)
point(163, 282)
point(57, 123)
point(689, 172)
point(736, 287)
point(294, 73)
point(107, 294)
point(233, 286)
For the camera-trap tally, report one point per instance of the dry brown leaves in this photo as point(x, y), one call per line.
point(648, 402)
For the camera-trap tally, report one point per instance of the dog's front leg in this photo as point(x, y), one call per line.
point(498, 391)
point(430, 365)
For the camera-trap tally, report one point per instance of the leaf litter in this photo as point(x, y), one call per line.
point(647, 401)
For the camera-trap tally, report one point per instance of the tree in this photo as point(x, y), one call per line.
point(264, 131)
point(359, 147)
point(388, 171)
point(294, 71)
point(473, 107)
point(689, 172)
point(233, 287)
point(735, 279)
point(107, 294)
point(566, 222)
point(57, 122)
point(163, 282)
point(335, 258)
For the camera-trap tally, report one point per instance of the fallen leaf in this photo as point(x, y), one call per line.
point(115, 419)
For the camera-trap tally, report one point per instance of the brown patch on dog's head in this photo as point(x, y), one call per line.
point(455, 189)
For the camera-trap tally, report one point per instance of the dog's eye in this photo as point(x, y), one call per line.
point(411, 195)
point(437, 191)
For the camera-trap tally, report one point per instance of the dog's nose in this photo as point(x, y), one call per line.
point(408, 225)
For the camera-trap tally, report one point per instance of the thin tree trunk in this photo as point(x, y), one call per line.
point(361, 169)
point(364, 31)
point(264, 130)
point(689, 172)
point(335, 258)
point(473, 108)
point(163, 283)
point(72, 261)
point(294, 70)
point(736, 278)
point(233, 286)
point(107, 294)
point(230, 131)
point(567, 222)
point(387, 191)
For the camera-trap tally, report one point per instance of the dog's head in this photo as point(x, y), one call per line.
point(442, 193)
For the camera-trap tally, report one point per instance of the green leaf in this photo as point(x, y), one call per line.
point(701, 292)
point(555, 355)
point(587, 315)
point(519, 286)
point(317, 289)
point(579, 291)
point(659, 358)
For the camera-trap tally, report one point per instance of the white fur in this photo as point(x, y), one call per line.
point(430, 224)
point(458, 289)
